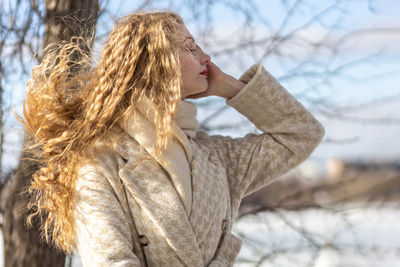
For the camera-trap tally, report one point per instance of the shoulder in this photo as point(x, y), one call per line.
point(100, 155)
point(101, 158)
point(113, 151)
point(203, 138)
point(99, 163)
point(219, 144)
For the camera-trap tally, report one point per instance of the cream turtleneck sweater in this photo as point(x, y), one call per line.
point(186, 118)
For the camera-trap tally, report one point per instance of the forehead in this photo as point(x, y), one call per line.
point(184, 34)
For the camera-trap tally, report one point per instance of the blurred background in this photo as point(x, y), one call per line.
point(340, 59)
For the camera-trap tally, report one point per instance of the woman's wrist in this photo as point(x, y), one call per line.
point(230, 86)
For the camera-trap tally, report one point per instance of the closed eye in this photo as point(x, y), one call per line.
point(193, 47)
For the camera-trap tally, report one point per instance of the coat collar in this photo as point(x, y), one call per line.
point(177, 157)
point(165, 199)
point(157, 200)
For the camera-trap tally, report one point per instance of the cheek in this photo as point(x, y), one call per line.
point(188, 69)
point(185, 76)
point(184, 66)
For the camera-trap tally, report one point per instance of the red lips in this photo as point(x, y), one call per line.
point(204, 72)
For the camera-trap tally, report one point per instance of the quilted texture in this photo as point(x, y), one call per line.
point(133, 209)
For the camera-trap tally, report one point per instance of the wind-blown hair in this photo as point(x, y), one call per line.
point(70, 104)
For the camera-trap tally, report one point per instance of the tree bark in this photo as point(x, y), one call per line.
point(22, 247)
point(68, 18)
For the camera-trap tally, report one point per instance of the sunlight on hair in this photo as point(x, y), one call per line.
point(70, 105)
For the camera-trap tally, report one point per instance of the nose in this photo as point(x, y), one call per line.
point(205, 58)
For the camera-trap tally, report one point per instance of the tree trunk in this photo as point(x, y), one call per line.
point(22, 247)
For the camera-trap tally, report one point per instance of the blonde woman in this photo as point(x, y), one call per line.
point(127, 178)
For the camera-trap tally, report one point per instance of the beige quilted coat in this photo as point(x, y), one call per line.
point(134, 208)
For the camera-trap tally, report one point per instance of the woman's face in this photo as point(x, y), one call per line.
point(193, 64)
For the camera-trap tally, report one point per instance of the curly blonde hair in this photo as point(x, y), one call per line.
point(70, 104)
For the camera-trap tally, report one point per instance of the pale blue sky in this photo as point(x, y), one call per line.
point(371, 141)
point(375, 78)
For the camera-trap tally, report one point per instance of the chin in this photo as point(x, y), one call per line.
point(204, 86)
point(200, 89)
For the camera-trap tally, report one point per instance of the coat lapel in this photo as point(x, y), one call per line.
point(158, 201)
point(174, 160)
point(161, 185)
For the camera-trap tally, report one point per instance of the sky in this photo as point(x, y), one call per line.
point(367, 132)
point(369, 128)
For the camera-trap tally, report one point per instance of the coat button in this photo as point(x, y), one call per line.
point(143, 240)
point(223, 225)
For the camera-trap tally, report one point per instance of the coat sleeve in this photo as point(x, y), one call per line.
point(290, 134)
point(102, 232)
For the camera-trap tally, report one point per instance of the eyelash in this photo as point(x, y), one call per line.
point(193, 49)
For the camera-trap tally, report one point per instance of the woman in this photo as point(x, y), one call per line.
point(127, 178)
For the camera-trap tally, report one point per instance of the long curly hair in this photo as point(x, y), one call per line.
point(70, 104)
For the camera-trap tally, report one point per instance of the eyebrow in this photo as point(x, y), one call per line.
point(189, 37)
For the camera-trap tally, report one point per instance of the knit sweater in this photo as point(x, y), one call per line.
point(134, 208)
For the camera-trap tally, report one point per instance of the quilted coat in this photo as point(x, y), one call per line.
point(137, 208)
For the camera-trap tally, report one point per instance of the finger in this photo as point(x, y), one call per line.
point(196, 96)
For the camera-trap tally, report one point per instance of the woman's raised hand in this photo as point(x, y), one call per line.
point(219, 84)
